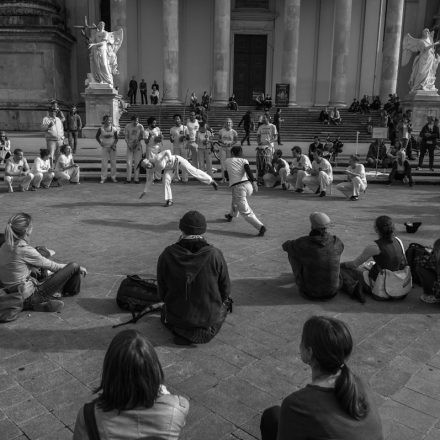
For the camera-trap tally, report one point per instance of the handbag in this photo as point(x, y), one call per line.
point(393, 284)
point(11, 304)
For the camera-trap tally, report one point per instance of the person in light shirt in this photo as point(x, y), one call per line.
point(107, 137)
point(357, 180)
point(42, 170)
point(52, 125)
point(134, 133)
point(266, 136)
point(193, 127)
point(66, 170)
point(204, 137)
point(178, 136)
point(227, 137)
point(321, 175)
point(17, 171)
point(300, 162)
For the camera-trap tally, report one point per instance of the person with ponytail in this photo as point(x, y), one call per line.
point(336, 404)
point(18, 259)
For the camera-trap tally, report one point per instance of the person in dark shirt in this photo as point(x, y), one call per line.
point(429, 135)
point(315, 145)
point(336, 404)
point(143, 90)
point(246, 120)
point(277, 120)
point(132, 90)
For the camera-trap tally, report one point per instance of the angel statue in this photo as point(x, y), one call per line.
point(103, 47)
point(425, 63)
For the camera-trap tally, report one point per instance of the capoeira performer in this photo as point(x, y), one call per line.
point(170, 164)
point(266, 135)
point(242, 184)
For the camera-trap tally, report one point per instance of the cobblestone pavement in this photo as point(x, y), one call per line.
point(49, 363)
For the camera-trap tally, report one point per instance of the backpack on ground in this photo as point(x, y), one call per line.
point(413, 255)
point(11, 304)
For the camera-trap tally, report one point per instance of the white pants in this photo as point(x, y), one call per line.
point(108, 153)
point(271, 179)
point(44, 179)
point(240, 205)
point(22, 181)
point(134, 156)
point(300, 176)
point(205, 156)
point(352, 188)
point(54, 149)
point(71, 174)
point(183, 152)
point(322, 180)
point(225, 152)
point(194, 154)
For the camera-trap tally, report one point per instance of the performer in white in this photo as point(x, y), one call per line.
point(321, 175)
point(357, 180)
point(169, 164)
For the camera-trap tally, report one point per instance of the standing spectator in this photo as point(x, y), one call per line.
point(206, 100)
point(277, 120)
point(246, 120)
point(132, 90)
point(74, 126)
point(58, 112)
point(143, 90)
point(17, 171)
point(315, 145)
point(227, 137)
point(5, 147)
point(134, 133)
point(153, 141)
point(321, 175)
point(193, 127)
point(107, 138)
point(203, 139)
point(299, 168)
point(42, 170)
point(429, 134)
point(154, 96)
point(324, 116)
point(266, 135)
point(357, 180)
point(178, 135)
point(54, 133)
point(66, 170)
point(335, 117)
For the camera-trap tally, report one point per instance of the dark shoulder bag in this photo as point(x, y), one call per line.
point(90, 421)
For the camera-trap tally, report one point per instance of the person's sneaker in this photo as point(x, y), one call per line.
point(299, 190)
point(114, 180)
point(32, 188)
point(214, 185)
point(168, 203)
point(44, 186)
point(228, 217)
point(53, 305)
point(322, 194)
point(318, 190)
point(353, 198)
point(284, 187)
point(102, 181)
point(21, 189)
point(57, 295)
point(127, 181)
point(429, 299)
point(262, 231)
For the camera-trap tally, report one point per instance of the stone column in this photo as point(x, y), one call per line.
point(118, 14)
point(289, 66)
point(222, 49)
point(341, 47)
point(170, 14)
point(391, 48)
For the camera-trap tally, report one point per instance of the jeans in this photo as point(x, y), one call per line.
point(134, 156)
point(73, 140)
point(67, 281)
point(428, 278)
point(144, 97)
point(395, 175)
point(430, 148)
point(270, 420)
point(247, 134)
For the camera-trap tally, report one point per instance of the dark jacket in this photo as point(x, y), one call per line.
point(193, 281)
point(315, 261)
point(429, 135)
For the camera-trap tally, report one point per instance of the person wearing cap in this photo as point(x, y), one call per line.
point(193, 281)
point(429, 135)
point(321, 175)
point(401, 169)
point(54, 133)
point(134, 132)
point(315, 260)
point(356, 179)
point(5, 147)
point(17, 171)
point(278, 172)
point(300, 163)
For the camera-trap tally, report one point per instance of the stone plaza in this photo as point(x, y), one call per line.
point(50, 363)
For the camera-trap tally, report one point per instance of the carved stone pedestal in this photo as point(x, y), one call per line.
point(101, 100)
point(422, 104)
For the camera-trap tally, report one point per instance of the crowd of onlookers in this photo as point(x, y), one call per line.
point(133, 89)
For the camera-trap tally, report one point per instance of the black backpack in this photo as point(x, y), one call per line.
point(413, 254)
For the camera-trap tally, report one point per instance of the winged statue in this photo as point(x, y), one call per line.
point(425, 63)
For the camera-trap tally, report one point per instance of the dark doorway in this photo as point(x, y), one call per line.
point(249, 66)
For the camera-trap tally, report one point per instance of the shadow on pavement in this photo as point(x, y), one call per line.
point(124, 223)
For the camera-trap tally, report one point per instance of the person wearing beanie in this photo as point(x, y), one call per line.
point(170, 165)
point(193, 281)
point(315, 259)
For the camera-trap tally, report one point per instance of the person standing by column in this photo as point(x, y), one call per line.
point(54, 133)
point(178, 135)
point(134, 133)
point(132, 90)
point(143, 90)
point(277, 122)
point(74, 125)
point(246, 120)
point(107, 138)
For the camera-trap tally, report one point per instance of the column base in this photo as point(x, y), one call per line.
point(291, 104)
point(172, 101)
point(220, 103)
point(337, 104)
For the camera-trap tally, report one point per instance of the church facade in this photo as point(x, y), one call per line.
point(326, 51)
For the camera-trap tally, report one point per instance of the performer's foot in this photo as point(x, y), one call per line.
point(102, 181)
point(262, 231)
point(299, 190)
point(322, 194)
point(168, 203)
point(137, 182)
point(318, 190)
point(355, 198)
point(284, 186)
point(114, 180)
point(228, 217)
point(214, 185)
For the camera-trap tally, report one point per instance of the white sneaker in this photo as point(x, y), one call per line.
point(10, 189)
point(102, 181)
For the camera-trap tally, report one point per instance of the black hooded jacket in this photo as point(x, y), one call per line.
point(193, 281)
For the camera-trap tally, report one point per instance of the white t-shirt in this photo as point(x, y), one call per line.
point(227, 136)
point(303, 161)
point(177, 135)
point(267, 133)
point(193, 128)
point(63, 162)
point(235, 168)
point(150, 134)
point(40, 165)
point(325, 166)
point(360, 170)
point(133, 133)
point(203, 139)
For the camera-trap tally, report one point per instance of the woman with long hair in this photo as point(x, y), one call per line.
point(336, 404)
point(132, 401)
point(18, 260)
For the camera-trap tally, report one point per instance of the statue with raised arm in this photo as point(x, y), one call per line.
point(425, 62)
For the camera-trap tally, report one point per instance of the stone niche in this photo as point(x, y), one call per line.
point(35, 50)
point(422, 104)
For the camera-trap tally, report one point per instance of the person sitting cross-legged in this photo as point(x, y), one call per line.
point(357, 180)
point(335, 117)
point(66, 170)
point(42, 170)
point(300, 162)
point(193, 281)
point(321, 175)
point(401, 169)
point(278, 172)
point(17, 171)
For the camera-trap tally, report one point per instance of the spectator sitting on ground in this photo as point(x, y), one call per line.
point(17, 171)
point(428, 270)
point(5, 147)
point(401, 169)
point(324, 116)
point(278, 172)
point(315, 259)
point(133, 402)
point(354, 107)
point(336, 404)
point(200, 271)
point(66, 170)
point(377, 152)
point(357, 180)
point(315, 145)
point(18, 260)
point(412, 146)
point(42, 170)
point(365, 105)
point(300, 163)
point(376, 104)
point(335, 117)
point(232, 104)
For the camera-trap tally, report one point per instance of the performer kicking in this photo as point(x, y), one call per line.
point(242, 184)
point(170, 165)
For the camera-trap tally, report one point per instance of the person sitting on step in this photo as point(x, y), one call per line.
point(324, 116)
point(428, 271)
point(66, 170)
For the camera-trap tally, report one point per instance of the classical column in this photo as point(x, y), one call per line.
point(289, 66)
point(341, 46)
point(391, 48)
point(222, 48)
point(118, 14)
point(170, 15)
